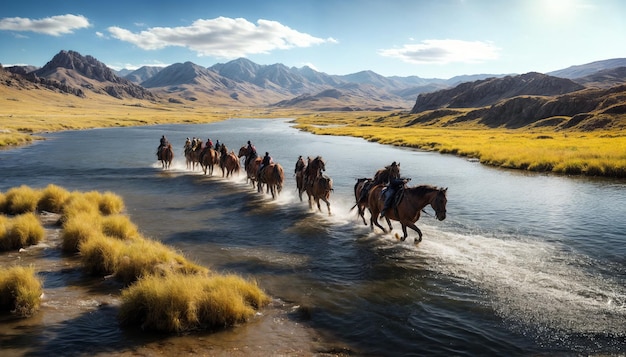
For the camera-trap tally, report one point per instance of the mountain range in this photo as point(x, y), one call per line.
point(242, 82)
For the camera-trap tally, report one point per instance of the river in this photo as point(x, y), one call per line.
point(524, 264)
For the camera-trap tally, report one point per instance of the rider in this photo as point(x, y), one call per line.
point(388, 192)
point(299, 165)
point(267, 160)
point(163, 143)
point(217, 145)
point(209, 143)
point(251, 154)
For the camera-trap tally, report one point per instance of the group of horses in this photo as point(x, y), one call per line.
point(406, 206)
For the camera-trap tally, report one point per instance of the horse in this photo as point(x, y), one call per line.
point(299, 173)
point(314, 169)
point(273, 176)
point(408, 209)
point(192, 155)
point(229, 162)
point(208, 160)
point(363, 185)
point(320, 190)
point(253, 164)
point(166, 156)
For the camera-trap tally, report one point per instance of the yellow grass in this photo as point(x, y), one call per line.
point(590, 153)
point(172, 294)
point(20, 231)
point(79, 228)
point(20, 200)
point(20, 290)
point(53, 198)
point(177, 303)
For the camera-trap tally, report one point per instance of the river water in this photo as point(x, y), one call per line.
point(524, 264)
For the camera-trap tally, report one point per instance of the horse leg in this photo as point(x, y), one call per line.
point(327, 205)
point(374, 220)
point(317, 200)
point(389, 223)
point(413, 227)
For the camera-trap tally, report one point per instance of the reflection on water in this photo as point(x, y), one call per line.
point(523, 264)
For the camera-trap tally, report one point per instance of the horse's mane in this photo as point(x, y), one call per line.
point(423, 189)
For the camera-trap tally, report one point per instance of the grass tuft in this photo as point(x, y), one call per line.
point(20, 200)
point(53, 198)
point(20, 231)
point(177, 303)
point(20, 290)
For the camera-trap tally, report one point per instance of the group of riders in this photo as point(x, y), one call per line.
point(392, 180)
point(196, 145)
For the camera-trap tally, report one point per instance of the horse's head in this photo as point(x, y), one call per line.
point(394, 170)
point(321, 164)
point(439, 203)
point(243, 151)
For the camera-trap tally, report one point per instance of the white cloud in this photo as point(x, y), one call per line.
point(100, 34)
point(55, 25)
point(444, 52)
point(221, 37)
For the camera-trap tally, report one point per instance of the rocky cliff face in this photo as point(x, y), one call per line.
point(492, 90)
point(72, 69)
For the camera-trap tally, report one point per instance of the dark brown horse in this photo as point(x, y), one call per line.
point(320, 190)
point(408, 210)
point(208, 160)
point(166, 156)
point(229, 162)
point(314, 169)
point(273, 176)
point(363, 185)
point(253, 165)
point(299, 173)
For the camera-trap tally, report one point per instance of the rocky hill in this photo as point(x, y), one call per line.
point(70, 69)
point(587, 69)
point(492, 90)
point(141, 74)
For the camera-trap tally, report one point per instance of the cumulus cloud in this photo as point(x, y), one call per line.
point(55, 25)
point(221, 37)
point(444, 52)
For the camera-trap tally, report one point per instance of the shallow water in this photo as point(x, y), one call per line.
point(524, 264)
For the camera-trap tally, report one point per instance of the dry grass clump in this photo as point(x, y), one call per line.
point(145, 257)
point(18, 200)
point(100, 254)
point(177, 303)
point(79, 228)
point(20, 290)
point(53, 198)
point(119, 226)
point(20, 231)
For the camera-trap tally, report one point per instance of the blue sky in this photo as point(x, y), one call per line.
point(429, 39)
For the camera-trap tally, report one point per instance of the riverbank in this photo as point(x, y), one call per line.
point(597, 153)
point(539, 149)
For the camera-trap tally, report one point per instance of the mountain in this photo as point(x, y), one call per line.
point(604, 79)
point(492, 90)
point(583, 70)
point(141, 74)
point(69, 68)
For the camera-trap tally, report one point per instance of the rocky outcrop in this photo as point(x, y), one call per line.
point(492, 90)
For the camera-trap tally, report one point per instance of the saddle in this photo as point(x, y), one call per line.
point(395, 200)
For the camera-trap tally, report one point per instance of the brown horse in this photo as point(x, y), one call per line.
point(229, 162)
point(192, 156)
point(253, 165)
point(320, 190)
point(208, 160)
point(314, 169)
point(299, 173)
point(273, 176)
point(408, 210)
point(363, 185)
point(166, 156)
